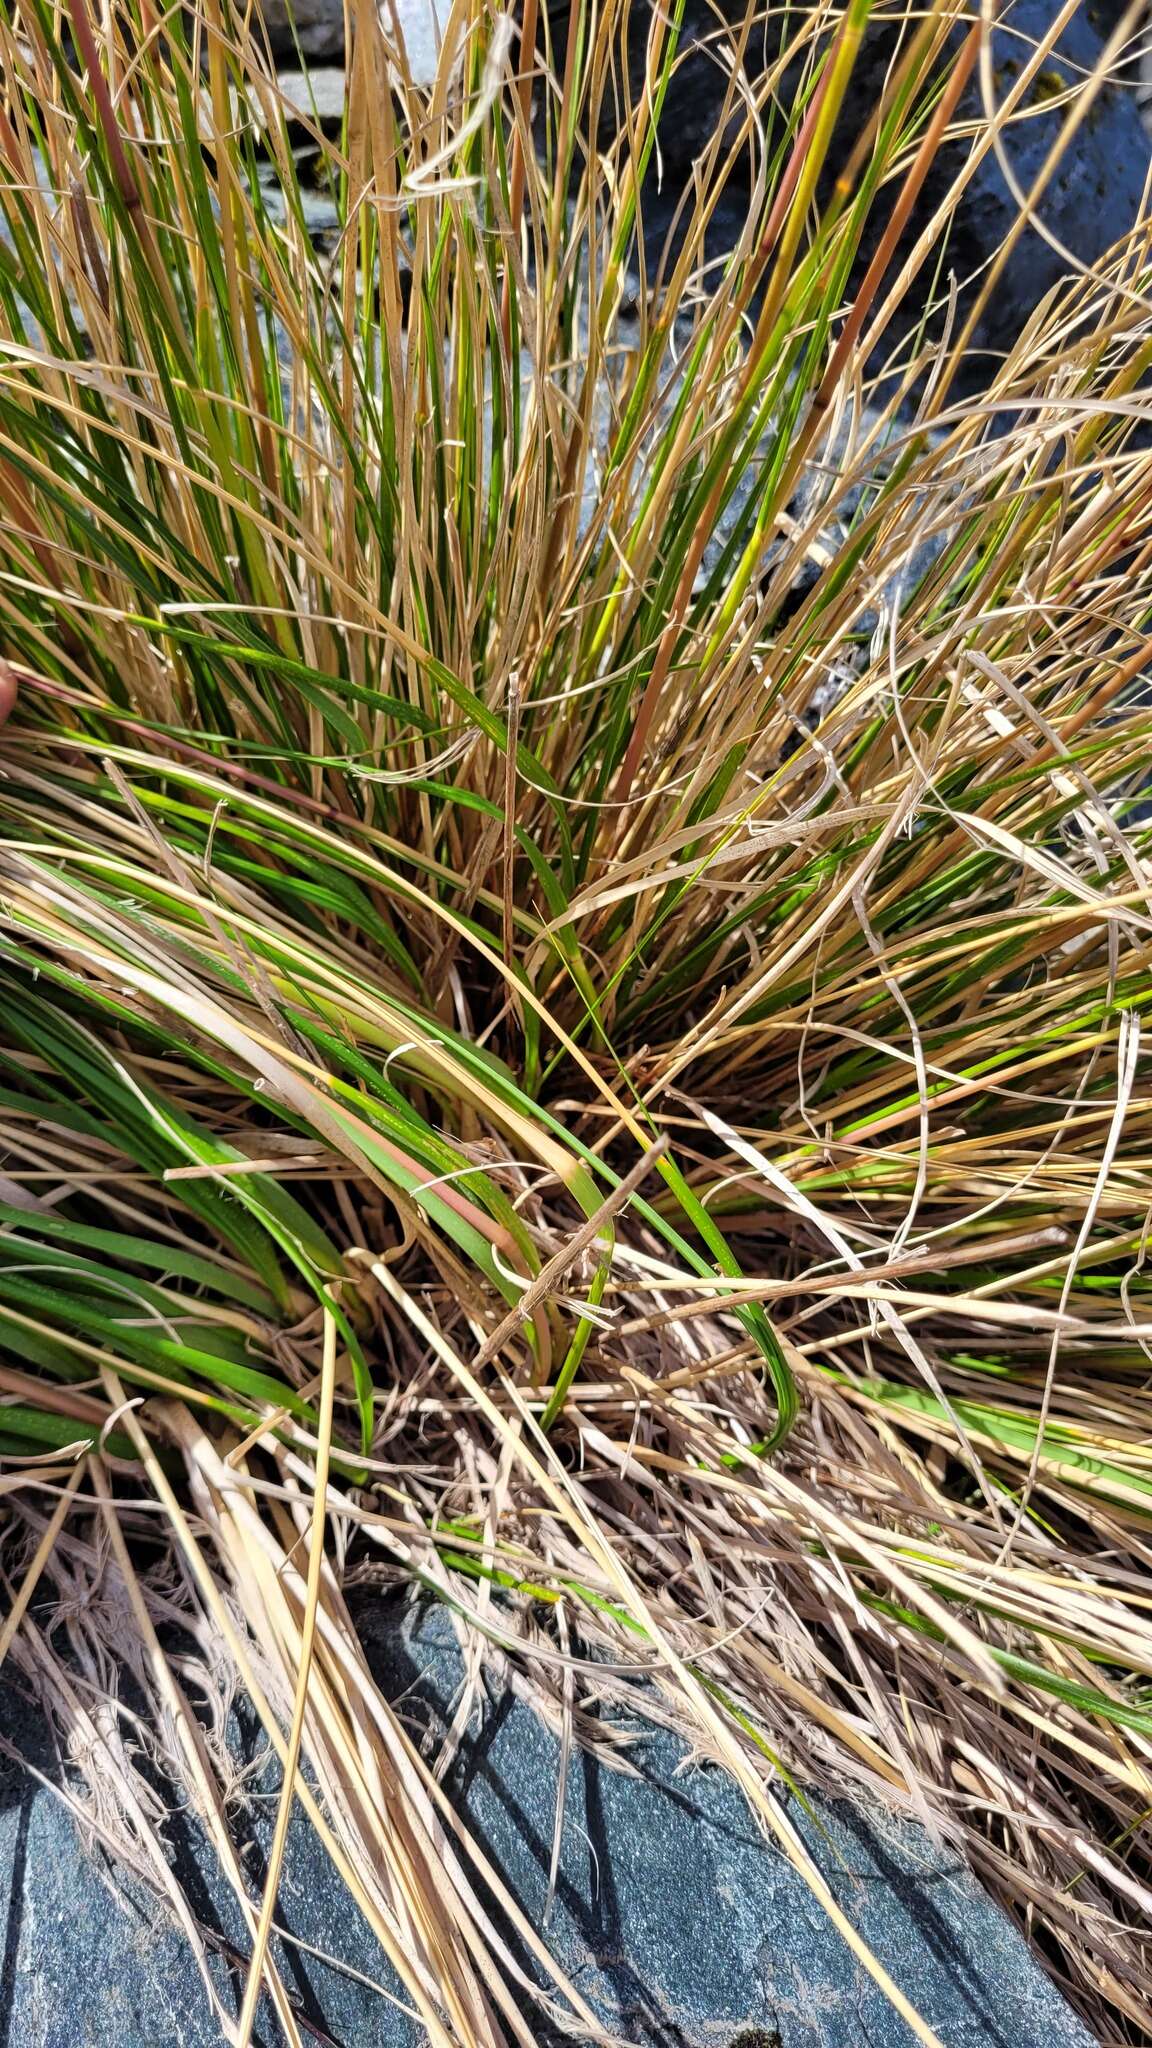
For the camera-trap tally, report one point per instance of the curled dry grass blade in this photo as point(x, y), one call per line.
point(573, 879)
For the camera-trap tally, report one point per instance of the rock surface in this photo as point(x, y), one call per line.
point(1091, 201)
point(315, 28)
point(316, 96)
point(682, 1928)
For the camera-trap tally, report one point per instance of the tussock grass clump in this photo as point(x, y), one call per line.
point(574, 920)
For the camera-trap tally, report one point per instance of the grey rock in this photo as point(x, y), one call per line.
point(317, 95)
point(1106, 17)
point(681, 1926)
point(421, 24)
point(317, 206)
point(1096, 193)
point(1092, 200)
point(315, 28)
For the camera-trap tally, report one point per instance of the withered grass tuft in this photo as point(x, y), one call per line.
point(574, 930)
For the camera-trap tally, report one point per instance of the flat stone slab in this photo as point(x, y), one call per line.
point(682, 1928)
